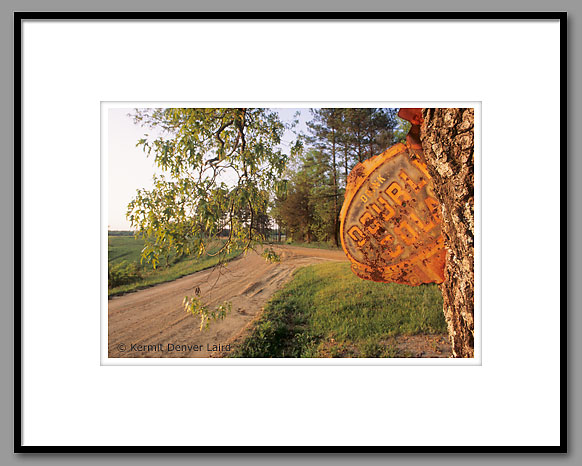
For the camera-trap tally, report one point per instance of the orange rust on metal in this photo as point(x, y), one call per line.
point(390, 219)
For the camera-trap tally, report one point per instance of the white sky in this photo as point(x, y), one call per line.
point(130, 169)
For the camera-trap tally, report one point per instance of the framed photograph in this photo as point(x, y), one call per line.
point(214, 206)
point(204, 269)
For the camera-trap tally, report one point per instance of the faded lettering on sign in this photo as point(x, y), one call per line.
point(390, 220)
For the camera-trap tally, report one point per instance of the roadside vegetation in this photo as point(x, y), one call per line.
point(313, 244)
point(126, 273)
point(327, 311)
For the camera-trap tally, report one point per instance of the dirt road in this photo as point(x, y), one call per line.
point(152, 323)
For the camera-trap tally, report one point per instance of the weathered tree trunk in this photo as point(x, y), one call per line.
point(447, 137)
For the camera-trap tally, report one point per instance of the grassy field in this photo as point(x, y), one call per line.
point(127, 274)
point(124, 248)
point(326, 311)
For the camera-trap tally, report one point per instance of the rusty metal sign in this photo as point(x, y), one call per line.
point(390, 219)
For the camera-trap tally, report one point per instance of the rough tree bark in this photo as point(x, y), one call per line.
point(447, 136)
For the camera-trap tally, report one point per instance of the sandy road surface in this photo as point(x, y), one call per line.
point(144, 323)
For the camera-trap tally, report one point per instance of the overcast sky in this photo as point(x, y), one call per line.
point(130, 169)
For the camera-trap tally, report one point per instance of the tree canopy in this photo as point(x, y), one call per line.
point(337, 139)
point(221, 165)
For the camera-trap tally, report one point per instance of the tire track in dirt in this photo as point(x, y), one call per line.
point(143, 323)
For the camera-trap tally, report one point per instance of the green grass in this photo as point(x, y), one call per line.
point(124, 248)
point(124, 254)
point(327, 311)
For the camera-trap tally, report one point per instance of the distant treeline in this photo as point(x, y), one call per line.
point(337, 139)
point(120, 233)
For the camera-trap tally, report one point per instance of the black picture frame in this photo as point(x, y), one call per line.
point(19, 17)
